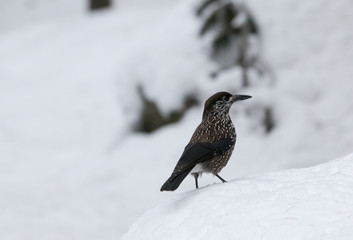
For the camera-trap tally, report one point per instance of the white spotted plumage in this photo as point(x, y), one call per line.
point(215, 125)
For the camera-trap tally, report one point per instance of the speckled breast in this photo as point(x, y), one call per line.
point(211, 130)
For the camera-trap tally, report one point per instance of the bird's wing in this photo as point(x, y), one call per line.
point(199, 152)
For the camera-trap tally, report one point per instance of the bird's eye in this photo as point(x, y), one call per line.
point(225, 98)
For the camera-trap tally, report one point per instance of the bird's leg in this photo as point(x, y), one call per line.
point(223, 181)
point(196, 175)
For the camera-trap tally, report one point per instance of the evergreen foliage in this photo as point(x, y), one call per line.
point(99, 4)
point(235, 34)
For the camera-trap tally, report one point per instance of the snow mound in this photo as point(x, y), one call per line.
point(311, 203)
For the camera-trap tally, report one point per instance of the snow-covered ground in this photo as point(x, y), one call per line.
point(312, 203)
point(70, 167)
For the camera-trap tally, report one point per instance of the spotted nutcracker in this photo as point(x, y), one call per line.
point(211, 144)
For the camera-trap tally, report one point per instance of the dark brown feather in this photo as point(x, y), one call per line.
point(212, 143)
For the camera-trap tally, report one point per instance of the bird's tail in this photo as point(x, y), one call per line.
point(173, 182)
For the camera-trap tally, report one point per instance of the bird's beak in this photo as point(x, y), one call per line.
point(236, 98)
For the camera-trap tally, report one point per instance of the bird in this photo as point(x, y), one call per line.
point(211, 144)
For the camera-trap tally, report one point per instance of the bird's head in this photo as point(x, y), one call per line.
point(221, 102)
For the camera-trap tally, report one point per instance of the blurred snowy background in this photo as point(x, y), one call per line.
point(81, 87)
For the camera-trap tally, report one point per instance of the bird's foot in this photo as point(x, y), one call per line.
point(223, 181)
point(196, 175)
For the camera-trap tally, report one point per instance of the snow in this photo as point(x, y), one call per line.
point(70, 166)
point(311, 203)
point(17, 13)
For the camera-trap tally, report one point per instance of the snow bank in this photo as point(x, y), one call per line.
point(311, 203)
